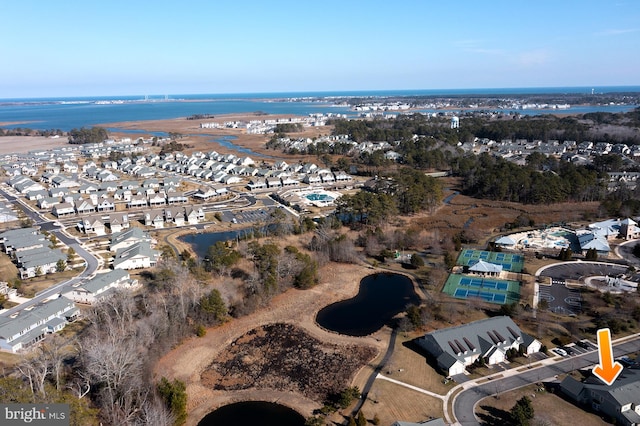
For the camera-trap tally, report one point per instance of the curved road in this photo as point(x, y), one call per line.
point(91, 262)
point(464, 403)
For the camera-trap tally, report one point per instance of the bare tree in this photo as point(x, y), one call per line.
point(56, 349)
point(35, 368)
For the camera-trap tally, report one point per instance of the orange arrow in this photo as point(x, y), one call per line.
point(608, 370)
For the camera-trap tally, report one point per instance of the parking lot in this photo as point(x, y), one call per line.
point(574, 349)
point(560, 298)
point(245, 216)
point(579, 270)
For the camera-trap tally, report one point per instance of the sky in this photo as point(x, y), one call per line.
point(136, 47)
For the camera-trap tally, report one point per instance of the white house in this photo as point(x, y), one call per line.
point(31, 325)
point(118, 222)
point(455, 348)
point(120, 240)
point(136, 256)
point(101, 286)
point(92, 224)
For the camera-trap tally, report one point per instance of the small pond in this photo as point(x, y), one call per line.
point(381, 297)
point(252, 413)
point(200, 243)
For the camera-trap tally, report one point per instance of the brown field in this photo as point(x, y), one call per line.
point(7, 269)
point(24, 144)
point(31, 286)
point(547, 406)
point(392, 402)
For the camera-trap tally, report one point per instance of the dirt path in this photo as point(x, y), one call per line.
point(298, 307)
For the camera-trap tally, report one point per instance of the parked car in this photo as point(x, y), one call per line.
point(561, 352)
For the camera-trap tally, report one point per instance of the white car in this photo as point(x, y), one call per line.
point(561, 352)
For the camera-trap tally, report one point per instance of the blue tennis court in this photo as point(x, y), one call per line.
point(484, 283)
point(462, 293)
point(488, 289)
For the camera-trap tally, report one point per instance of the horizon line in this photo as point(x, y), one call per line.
point(319, 93)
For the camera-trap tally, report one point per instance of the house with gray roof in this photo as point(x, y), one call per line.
point(29, 326)
point(24, 242)
point(7, 236)
point(120, 240)
point(485, 268)
point(455, 348)
point(40, 263)
point(118, 222)
point(136, 256)
point(102, 286)
point(619, 401)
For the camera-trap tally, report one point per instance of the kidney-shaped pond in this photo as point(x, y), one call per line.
point(381, 297)
point(251, 413)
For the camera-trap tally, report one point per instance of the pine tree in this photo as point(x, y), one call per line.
point(522, 412)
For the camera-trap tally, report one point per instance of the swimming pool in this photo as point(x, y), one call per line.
point(319, 197)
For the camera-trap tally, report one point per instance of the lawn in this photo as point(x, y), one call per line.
point(548, 408)
point(392, 402)
point(408, 366)
point(7, 269)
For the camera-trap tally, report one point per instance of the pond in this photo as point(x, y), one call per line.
point(251, 413)
point(380, 298)
point(200, 243)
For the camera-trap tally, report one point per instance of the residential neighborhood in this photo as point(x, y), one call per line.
point(100, 219)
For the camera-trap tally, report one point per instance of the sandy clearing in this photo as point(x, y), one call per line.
point(24, 144)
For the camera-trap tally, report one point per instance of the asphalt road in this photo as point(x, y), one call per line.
point(465, 402)
point(91, 261)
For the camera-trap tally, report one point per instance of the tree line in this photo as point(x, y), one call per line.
point(85, 135)
point(494, 178)
point(406, 191)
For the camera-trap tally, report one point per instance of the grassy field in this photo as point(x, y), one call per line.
point(7, 269)
point(392, 402)
point(409, 366)
point(31, 286)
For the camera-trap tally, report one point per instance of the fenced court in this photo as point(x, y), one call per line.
point(510, 262)
point(488, 289)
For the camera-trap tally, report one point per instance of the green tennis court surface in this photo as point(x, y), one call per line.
point(488, 289)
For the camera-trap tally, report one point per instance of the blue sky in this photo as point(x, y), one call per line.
point(84, 48)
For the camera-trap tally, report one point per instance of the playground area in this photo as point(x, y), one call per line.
point(488, 289)
point(510, 262)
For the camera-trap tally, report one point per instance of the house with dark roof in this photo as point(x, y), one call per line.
point(619, 401)
point(455, 348)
